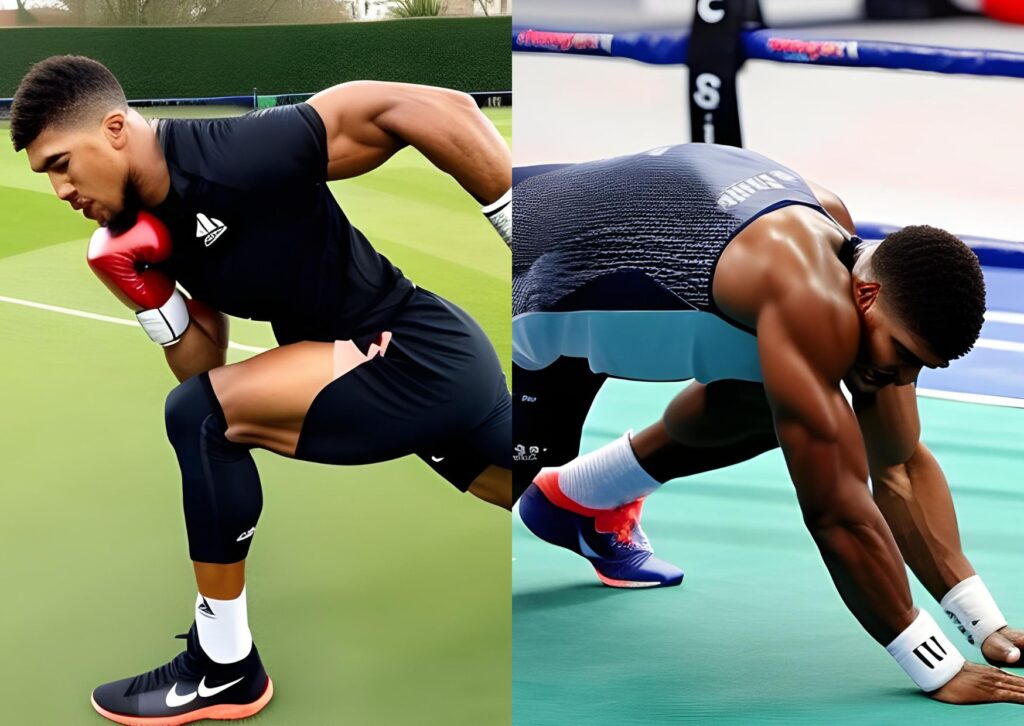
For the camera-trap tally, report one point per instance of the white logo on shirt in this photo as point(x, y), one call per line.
point(209, 229)
point(750, 186)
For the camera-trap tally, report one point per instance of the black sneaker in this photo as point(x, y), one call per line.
point(189, 688)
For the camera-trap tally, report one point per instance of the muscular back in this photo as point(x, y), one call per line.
point(788, 261)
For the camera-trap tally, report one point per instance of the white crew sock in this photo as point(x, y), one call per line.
point(223, 628)
point(606, 478)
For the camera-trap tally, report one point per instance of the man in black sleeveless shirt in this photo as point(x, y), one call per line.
point(238, 213)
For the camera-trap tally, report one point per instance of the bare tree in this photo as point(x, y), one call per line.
point(275, 11)
point(194, 12)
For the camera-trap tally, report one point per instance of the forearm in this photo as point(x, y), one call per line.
point(914, 498)
point(826, 457)
point(855, 543)
point(202, 347)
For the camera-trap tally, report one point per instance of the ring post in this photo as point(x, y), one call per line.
point(715, 56)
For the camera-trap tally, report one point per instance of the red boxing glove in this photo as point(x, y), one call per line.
point(1009, 11)
point(123, 262)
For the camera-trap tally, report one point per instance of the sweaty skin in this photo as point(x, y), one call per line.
point(833, 327)
point(808, 338)
point(368, 121)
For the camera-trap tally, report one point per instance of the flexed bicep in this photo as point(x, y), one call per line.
point(368, 121)
point(356, 141)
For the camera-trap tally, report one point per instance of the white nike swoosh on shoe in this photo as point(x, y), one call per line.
point(437, 459)
point(174, 699)
point(205, 692)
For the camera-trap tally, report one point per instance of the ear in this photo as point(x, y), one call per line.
point(115, 128)
point(865, 294)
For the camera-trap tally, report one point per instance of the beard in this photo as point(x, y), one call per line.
point(126, 218)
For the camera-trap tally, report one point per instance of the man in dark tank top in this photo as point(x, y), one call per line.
point(720, 265)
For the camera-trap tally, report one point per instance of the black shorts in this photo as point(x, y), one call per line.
point(437, 392)
point(550, 406)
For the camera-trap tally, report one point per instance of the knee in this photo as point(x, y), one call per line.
point(188, 407)
point(494, 485)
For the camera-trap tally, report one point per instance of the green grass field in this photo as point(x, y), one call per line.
point(378, 594)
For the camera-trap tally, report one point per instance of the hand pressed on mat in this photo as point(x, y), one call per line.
point(977, 684)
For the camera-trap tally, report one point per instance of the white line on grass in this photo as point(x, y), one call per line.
point(105, 319)
point(67, 311)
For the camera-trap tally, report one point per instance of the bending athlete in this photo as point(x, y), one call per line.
point(717, 264)
point(369, 367)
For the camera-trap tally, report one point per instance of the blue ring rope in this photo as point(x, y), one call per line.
point(672, 47)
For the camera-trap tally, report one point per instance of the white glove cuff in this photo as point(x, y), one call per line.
point(166, 324)
point(500, 215)
point(925, 653)
point(971, 608)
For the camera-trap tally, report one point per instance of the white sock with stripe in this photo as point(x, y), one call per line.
point(223, 628)
point(607, 477)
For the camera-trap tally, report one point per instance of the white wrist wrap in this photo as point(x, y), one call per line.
point(500, 215)
point(165, 324)
point(971, 608)
point(925, 653)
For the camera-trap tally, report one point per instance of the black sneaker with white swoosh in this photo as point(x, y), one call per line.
point(189, 688)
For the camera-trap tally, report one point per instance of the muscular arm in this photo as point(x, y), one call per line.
point(204, 344)
point(911, 490)
point(368, 121)
point(912, 493)
point(803, 353)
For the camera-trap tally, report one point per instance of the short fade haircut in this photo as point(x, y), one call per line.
point(933, 283)
point(60, 91)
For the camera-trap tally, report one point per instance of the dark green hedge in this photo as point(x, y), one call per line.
point(469, 54)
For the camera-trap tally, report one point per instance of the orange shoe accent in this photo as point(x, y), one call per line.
point(547, 482)
point(620, 520)
point(632, 584)
point(220, 712)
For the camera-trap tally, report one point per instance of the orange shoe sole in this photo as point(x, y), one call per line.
point(221, 712)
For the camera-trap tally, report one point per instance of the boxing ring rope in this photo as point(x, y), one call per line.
point(991, 252)
point(781, 46)
point(672, 48)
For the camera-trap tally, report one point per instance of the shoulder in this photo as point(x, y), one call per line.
point(832, 204)
point(812, 318)
point(788, 254)
point(255, 127)
point(261, 148)
point(782, 277)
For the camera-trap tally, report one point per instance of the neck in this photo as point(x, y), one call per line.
point(149, 173)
